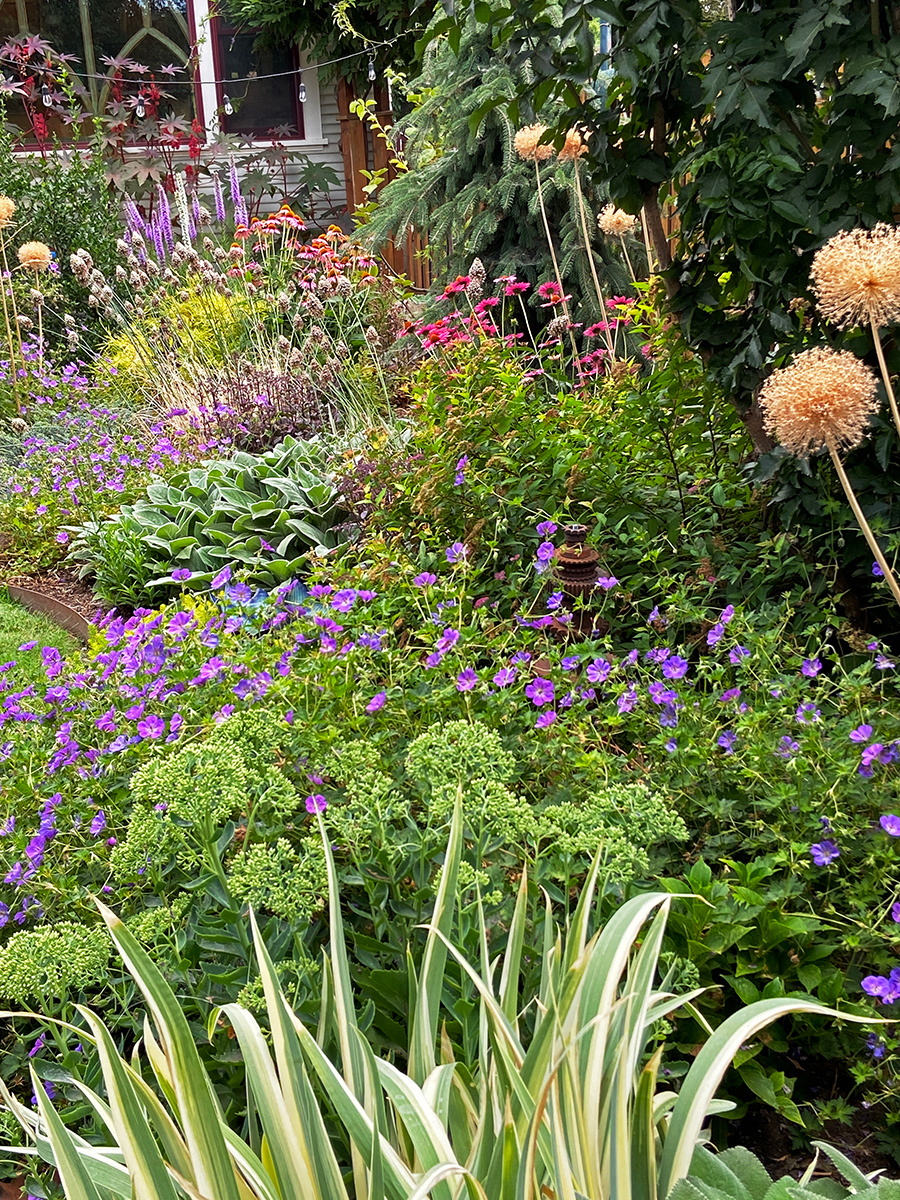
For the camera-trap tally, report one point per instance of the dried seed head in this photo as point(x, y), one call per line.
point(856, 276)
point(824, 398)
point(7, 210)
point(35, 256)
point(615, 222)
point(528, 143)
point(574, 146)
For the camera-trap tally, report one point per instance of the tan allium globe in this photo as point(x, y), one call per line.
point(856, 276)
point(823, 399)
point(527, 143)
point(7, 209)
point(614, 222)
point(35, 256)
point(574, 146)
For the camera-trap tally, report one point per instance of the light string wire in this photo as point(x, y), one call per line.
point(108, 78)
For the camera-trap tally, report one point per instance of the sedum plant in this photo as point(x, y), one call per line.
point(575, 1112)
point(261, 512)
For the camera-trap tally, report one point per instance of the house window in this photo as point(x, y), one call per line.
point(153, 33)
point(258, 83)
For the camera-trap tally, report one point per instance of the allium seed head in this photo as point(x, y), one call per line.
point(614, 222)
point(824, 398)
point(574, 146)
point(528, 143)
point(35, 256)
point(7, 209)
point(856, 276)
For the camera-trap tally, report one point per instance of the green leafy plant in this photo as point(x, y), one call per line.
point(577, 1106)
point(261, 512)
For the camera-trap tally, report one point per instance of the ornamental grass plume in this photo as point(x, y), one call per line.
point(856, 279)
point(823, 401)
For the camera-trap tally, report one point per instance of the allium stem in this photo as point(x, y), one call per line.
point(10, 325)
point(628, 260)
point(562, 290)
point(651, 265)
point(888, 386)
point(863, 523)
point(590, 255)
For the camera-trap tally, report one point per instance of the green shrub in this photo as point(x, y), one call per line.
point(262, 512)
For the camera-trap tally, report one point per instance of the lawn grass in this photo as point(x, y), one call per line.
point(18, 627)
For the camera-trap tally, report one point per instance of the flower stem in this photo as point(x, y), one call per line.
point(562, 290)
point(628, 260)
point(863, 523)
point(590, 256)
point(888, 386)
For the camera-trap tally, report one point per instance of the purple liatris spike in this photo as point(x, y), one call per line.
point(240, 213)
point(219, 200)
point(235, 183)
point(164, 215)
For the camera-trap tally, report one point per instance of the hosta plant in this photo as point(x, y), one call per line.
point(260, 512)
point(575, 1111)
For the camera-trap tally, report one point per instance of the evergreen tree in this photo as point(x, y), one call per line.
point(468, 190)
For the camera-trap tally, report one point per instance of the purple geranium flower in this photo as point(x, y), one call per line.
point(505, 677)
point(811, 667)
point(546, 529)
point(456, 553)
point(735, 655)
point(599, 670)
point(466, 680)
point(540, 692)
point(221, 579)
point(861, 733)
point(425, 579)
point(316, 803)
point(890, 823)
point(546, 719)
point(98, 824)
point(151, 727)
point(376, 702)
point(824, 852)
point(180, 574)
point(675, 667)
point(545, 552)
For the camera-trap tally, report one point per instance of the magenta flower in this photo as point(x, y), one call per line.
point(675, 667)
point(545, 552)
point(546, 529)
point(151, 727)
point(540, 692)
point(180, 574)
point(598, 670)
point(466, 680)
point(221, 579)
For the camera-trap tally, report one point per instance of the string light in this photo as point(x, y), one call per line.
point(301, 91)
point(46, 96)
point(227, 105)
point(271, 75)
point(139, 109)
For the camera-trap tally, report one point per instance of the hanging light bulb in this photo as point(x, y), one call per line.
point(372, 75)
point(301, 91)
point(46, 97)
point(227, 106)
point(140, 109)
